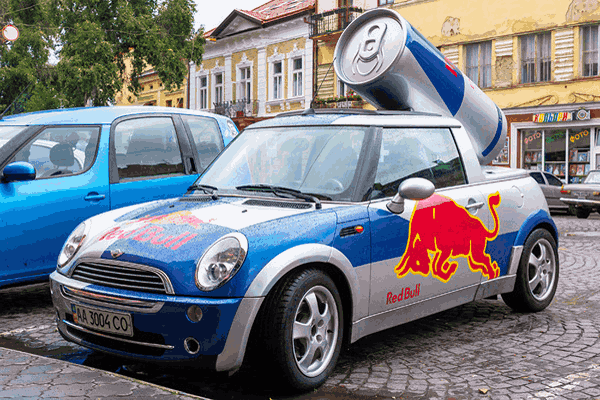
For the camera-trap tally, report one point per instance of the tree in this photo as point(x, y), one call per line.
point(24, 68)
point(98, 36)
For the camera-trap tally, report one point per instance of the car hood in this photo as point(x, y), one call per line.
point(173, 235)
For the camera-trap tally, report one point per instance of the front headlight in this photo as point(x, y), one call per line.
point(221, 261)
point(73, 244)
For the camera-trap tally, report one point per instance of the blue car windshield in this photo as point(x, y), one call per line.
point(316, 160)
point(9, 132)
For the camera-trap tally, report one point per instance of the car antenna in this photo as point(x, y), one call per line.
point(14, 101)
point(311, 110)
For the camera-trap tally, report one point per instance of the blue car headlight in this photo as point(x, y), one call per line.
point(221, 261)
point(73, 244)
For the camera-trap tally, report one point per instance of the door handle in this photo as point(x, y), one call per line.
point(94, 197)
point(476, 206)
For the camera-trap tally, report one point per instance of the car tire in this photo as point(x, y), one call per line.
point(303, 329)
point(537, 275)
point(582, 213)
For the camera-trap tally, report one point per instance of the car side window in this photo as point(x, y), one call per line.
point(429, 153)
point(61, 151)
point(538, 177)
point(207, 138)
point(147, 147)
point(552, 180)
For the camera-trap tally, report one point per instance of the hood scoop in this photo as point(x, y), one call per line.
point(279, 204)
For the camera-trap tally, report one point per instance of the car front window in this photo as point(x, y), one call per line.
point(9, 132)
point(593, 177)
point(316, 160)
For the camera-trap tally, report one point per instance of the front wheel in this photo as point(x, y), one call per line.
point(537, 275)
point(304, 323)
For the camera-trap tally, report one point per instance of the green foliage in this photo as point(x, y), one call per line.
point(93, 39)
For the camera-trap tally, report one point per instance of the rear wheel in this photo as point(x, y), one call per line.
point(537, 275)
point(582, 213)
point(304, 328)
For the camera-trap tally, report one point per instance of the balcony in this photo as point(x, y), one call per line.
point(332, 21)
point(237, 108)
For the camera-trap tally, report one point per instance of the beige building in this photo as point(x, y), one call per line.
point(537, 60)
point(152, 92)
point(256, 63)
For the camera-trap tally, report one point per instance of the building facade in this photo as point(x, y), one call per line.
point(256, 63)
point(538, 61)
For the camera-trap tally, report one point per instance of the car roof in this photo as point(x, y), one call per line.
point(94, 115)
point(358, 117)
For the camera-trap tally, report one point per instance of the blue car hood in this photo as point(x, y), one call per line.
point(172, 236)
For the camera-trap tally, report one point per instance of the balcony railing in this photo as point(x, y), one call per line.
point(237, 108)
point(332, 21)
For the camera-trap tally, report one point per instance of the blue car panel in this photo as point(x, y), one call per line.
point(86, 163)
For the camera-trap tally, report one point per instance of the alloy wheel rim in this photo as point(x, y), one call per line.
point(315, 331)
point(542, 270)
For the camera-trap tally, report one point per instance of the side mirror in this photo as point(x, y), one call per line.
point(412, 189)
point(18, 171)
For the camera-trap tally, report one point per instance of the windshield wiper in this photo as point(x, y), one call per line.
point(208, 189)
point(278, 190)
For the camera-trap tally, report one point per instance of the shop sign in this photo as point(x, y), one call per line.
point(579, 115)
point(579, 135)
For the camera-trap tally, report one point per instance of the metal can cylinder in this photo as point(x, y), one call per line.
point(392, 66)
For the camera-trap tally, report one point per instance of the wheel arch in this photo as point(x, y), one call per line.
point(539, 219)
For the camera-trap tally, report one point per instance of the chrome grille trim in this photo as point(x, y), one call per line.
point(122, 275)
point(121, 303)
point(155, 345)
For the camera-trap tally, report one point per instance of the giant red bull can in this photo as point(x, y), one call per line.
point(390, 64)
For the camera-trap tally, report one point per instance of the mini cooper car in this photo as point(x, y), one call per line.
point(61, 167)
point(583, 197)
point(309, 230)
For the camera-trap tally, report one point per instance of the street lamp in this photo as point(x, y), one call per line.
point(10, 33)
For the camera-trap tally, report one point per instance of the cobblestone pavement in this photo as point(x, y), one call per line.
point(481, 350)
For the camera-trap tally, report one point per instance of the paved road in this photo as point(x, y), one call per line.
point(481, 350)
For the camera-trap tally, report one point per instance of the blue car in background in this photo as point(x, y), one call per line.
point(60, 167)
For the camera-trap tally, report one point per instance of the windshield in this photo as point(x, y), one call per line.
point(9, 132)
point(314, 160)
point(593, 177)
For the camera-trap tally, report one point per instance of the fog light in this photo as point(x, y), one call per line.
point(191, 345)
point(194, 313)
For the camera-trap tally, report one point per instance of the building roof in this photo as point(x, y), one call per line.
point(272, 11)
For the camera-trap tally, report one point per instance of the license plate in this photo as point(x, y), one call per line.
point(104, 321)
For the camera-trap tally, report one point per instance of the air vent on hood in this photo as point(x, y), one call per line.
point(196, 198)
point(280, 204)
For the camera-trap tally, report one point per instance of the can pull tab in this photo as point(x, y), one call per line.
point(370, 49)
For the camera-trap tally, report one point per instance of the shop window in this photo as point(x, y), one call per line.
point(589, 50)
point(554, 152)
point(579, 154)
point(536, 62)
point(203, 95)
point(532, 150)
point(479, 63)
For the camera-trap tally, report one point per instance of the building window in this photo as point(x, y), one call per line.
point(203, 93)
point(169, 103)
point(297, 81)
point(535, 58)
point(384, 2)
point(245, 84)
point(343, 89)
point(589, 50)
point(277, 80)
point(479, 63)
point(219, 88)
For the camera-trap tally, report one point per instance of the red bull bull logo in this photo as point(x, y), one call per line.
point(440, 230)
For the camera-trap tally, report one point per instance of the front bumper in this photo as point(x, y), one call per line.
point(161, 328)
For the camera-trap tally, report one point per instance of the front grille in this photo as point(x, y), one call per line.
point(118, 276)
point(280, 204)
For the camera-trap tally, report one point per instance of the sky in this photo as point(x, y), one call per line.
point(211, 15)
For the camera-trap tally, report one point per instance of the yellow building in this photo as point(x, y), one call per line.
point(152, 92)
point(536, 60)
point(256, 63)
